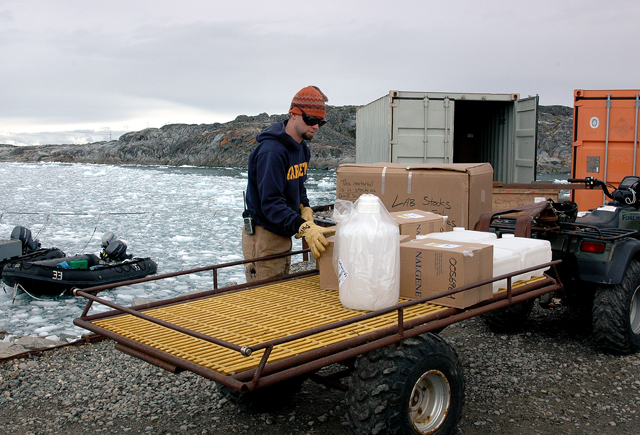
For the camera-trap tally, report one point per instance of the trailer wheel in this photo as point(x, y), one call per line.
point(616, 313)
point(417, 388)
point(509, 318)
point(269, 398)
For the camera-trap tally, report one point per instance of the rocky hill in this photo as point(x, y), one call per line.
point(555, 126)
point(229, 144)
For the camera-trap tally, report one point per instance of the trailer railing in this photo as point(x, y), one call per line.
point(267, 373)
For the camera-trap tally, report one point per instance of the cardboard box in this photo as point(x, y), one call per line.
point(504, 198)
point(458, 190)
point(414, 223)
point(328, 277)
point(431, 266)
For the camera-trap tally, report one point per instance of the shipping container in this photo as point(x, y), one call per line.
point(605, 140)
point(429, 127)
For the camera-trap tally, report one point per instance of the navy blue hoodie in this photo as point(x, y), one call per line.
point(277, 172)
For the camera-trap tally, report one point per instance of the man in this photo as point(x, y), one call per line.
point(276, 203)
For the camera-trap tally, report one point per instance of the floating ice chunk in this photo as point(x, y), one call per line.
point(182, 239)
point(36, 320)
point(45, 330)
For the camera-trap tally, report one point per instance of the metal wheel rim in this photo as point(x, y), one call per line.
point(429, 402)
point(634, 314)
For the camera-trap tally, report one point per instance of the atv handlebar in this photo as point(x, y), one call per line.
point(592, 183)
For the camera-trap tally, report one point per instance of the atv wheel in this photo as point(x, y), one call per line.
point(616, 313)
point(417, 388)
point(510, 318)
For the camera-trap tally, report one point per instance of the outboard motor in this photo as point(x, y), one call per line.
point(107, 238)
point(24, 235)
point(116, 251)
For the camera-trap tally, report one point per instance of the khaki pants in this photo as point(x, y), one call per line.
point(260, 244)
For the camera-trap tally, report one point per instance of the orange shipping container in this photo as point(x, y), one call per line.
point(605, 140)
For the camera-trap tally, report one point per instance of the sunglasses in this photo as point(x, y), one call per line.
point(312, 120)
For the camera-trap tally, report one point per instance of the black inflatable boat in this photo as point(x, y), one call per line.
point(55, 273)
point(28, 249)
point(59, 275)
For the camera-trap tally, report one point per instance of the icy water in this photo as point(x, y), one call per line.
point(181, 217)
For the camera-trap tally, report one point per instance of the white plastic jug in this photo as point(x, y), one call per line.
point(366, 257)
point(532, 252)
point(504, 261)
point(460, 234)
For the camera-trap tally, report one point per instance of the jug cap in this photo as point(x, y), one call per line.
point(368, 204)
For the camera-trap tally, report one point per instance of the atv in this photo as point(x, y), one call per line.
point(600, 253)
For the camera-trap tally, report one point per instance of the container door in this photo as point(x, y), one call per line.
point(525, 144)
point(422, 130)
point(605, 140)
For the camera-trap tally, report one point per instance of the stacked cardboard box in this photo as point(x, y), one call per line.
point(430, 266)
point(414, 223)
point(460, 191)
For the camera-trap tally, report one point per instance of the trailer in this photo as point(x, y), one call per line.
point(262, 340)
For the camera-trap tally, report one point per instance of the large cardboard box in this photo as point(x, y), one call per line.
point(504, 197)
point(328, 277)
point(414, 223)
point(458, 190)
point(430, 266)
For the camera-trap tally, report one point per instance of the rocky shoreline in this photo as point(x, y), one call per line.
point(229, 144)
point(544, 378)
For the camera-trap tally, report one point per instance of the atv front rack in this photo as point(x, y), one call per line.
point(541, 218)
point(508, 224)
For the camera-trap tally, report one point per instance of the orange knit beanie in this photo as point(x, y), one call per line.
point(311, 100)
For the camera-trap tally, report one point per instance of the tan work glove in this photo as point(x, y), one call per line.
point(315, 237)
point(306, 213)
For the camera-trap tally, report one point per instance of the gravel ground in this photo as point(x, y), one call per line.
point(545, 378)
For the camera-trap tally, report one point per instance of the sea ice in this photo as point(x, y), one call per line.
point(197, 210)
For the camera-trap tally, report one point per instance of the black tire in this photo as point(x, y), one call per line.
point(270, 398)
point(510, 318)
point(616, 314)
point(417, 388)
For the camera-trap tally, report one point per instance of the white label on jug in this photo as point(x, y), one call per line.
point(342, 273)
point(410, 216)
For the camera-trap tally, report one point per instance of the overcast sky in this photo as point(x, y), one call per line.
point(80, 71)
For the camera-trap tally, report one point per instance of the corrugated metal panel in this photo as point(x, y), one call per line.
point(455, 96)
point(495, 140)
point(422, 130)
point(420, 127)
point(605, 144)
point(525, 139)
point(374, 132)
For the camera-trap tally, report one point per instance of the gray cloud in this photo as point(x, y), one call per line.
point(117, 63)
